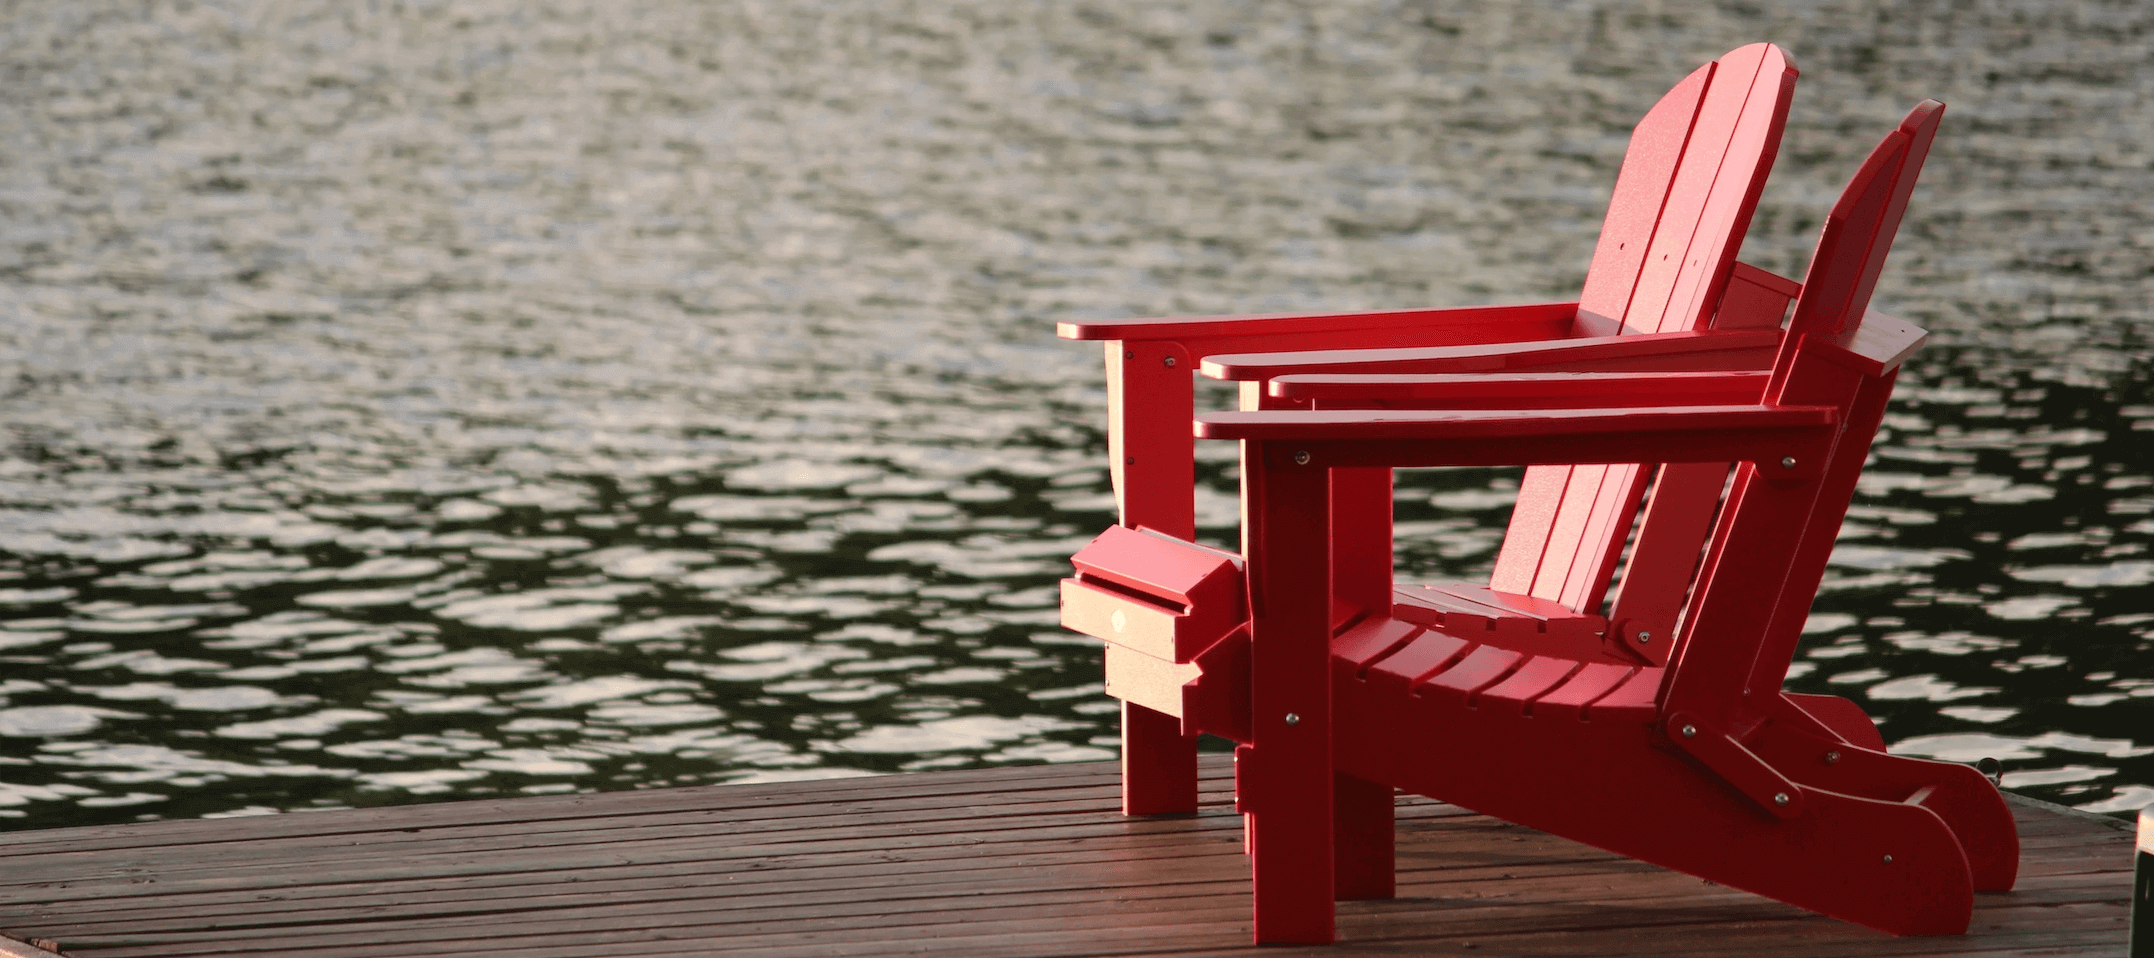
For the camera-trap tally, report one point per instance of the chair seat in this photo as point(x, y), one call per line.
point(1522, 623)
point(1400, 657)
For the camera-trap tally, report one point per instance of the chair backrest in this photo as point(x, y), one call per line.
point(1683, 200)
point(1769, 551)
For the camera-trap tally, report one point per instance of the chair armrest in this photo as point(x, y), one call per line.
point(1691, 350)
point(1393, 328)
point(1793, 440)
point(1522, 390)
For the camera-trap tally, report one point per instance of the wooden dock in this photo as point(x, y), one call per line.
point(1030, 861)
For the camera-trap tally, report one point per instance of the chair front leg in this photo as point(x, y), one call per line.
point(1149, 396)
point(1288, 778)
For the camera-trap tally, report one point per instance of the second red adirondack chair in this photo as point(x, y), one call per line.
point(1705, 765)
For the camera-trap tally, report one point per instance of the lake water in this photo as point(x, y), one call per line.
point(427, 400)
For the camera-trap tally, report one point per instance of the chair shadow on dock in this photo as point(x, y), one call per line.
point(1024, 861)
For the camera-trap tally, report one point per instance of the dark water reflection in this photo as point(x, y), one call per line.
point(409, 401)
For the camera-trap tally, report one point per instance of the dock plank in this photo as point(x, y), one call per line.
point(1031, 861)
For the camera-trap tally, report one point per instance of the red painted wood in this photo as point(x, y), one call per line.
point(1362, 829)
point(1956, 793)
point(1678, 248)
point(1657, 425)
point(1609, 783)
point(1361, 542)
point(1682, 204)
point(1673, 351)
point(1149, 360)
point(1519, 558)
point(1755, 299)
point(1526, 390)
point(1641, 190)
point(1335, 330)
point(1724, 217)
point(1371, 640)
point(1702, 766)
point(1416, 661)
point(1217, 702)
point(1147, 461)
point(1484, 666)
point(1287, 771)
point(1570, 700)
point(1576, 568)
point(1664, 561)
point(1147, 465)
point(1843, 718)
point(1539, 676)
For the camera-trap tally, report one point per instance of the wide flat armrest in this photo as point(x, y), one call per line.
point(1794, 439)
point(1523, 390)
point(1690, 350)
point(1356, 330)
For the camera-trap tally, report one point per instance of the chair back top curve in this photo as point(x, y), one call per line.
point(1684, 195)
point(1683, 199)
point(1857, 234)
point(1768, 554)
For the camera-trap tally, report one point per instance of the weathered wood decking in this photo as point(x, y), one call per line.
point(1030, 861)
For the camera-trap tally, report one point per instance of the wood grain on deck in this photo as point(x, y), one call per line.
point(1031, 861)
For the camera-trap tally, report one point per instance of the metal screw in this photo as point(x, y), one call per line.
point(1293, 719)
point(1888, 859)
point(1832, 758)
point(1690, 731)
point(1780, 798)
point(1644, 636)
point(1787, 462)
point(1170, 362)
point(1129, 460)
point(1301, 458)
point(1129, 354)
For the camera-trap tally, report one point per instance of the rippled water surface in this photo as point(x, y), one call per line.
point(424, 400)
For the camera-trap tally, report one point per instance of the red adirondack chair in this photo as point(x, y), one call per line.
point(1664, 263)
point(1705, 765)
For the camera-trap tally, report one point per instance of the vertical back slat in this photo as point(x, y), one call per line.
point(1673, 251)
point(1649, 166)
point(1605, 529)
point(1567, 530)
point(1741, 179)
point(1519, 560)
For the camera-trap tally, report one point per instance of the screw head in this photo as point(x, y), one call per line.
point(1787, 462)
point(1293, 719)
point(1832, 757)
point(1170, 362)
point(1690, 731)
point(1301, 458)
point(1644, 636)
point(1780, 798)
point(1888, 859)
point(1129, 354)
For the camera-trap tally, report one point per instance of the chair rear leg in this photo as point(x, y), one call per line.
point(1159, 763)
point(1363, 833)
